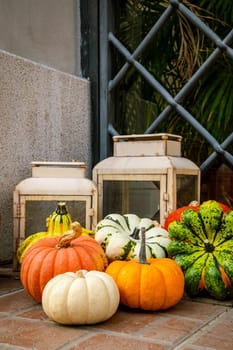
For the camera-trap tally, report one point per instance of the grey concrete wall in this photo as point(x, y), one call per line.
point(45, 115)
point(45, 31)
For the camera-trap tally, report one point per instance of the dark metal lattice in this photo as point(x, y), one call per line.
point(174, 103)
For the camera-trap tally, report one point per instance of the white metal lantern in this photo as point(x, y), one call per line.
point(146, 176)
point(52, 182)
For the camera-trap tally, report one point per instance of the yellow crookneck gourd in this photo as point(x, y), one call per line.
point(59, 222)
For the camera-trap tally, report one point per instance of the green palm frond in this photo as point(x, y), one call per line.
point(174, 55)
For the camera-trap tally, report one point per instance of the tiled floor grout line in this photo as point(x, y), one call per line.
point(212, 301)
point(199, 330)
point(6, 346)
point(74, 342)
point(92, 332)
point(12, 291)
point(16, 316)
point(162, 317)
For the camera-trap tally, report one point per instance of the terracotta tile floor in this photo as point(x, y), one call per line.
point(191, 325)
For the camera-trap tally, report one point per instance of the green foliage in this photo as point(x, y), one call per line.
point(172, 57)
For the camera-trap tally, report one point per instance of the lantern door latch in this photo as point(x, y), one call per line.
point(90, 212)
point(165, 196)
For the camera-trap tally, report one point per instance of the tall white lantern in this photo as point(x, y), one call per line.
point(146, 176)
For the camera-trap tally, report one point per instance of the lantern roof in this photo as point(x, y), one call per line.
point(144, 165)
point(56, 178)
point(145, 154)
point(55, 186)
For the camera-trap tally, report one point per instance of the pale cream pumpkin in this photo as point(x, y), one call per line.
point(84, 297)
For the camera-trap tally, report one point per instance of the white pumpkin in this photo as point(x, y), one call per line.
point(84, 297)
point(120, 236)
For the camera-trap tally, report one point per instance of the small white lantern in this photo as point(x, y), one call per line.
point(52, 182)
point(146, 176)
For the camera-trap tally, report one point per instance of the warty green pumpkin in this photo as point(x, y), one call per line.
point(202, 244)
point(176, 214)
point(119, 236)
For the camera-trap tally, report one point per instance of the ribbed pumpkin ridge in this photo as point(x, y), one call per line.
point(44, 261)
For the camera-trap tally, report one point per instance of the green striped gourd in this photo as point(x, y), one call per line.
point(120, 237)
point(59, 221)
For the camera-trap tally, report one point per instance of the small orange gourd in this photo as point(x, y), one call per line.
point(56, 255)
point(153, 284)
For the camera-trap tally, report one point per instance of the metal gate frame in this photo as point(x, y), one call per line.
point(108, 83)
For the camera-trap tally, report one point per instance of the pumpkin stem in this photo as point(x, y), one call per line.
point(142, 252)
point(81, 273)
point(209, 247)
point(61, 208)
point(68, 236)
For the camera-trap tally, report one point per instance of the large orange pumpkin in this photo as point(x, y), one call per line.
point(153, 284)
point(56, 255)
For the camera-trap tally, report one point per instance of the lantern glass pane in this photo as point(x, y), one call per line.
point(136, 197)
point(38, 211)
point(187, 189)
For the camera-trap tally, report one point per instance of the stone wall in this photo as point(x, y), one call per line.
point(44, 31)
point(45, 115)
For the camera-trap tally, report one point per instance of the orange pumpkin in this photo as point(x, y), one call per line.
point(56, 255)
point(156, 284)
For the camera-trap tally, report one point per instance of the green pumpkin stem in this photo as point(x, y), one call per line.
point(61, 208)
point(142, 252)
